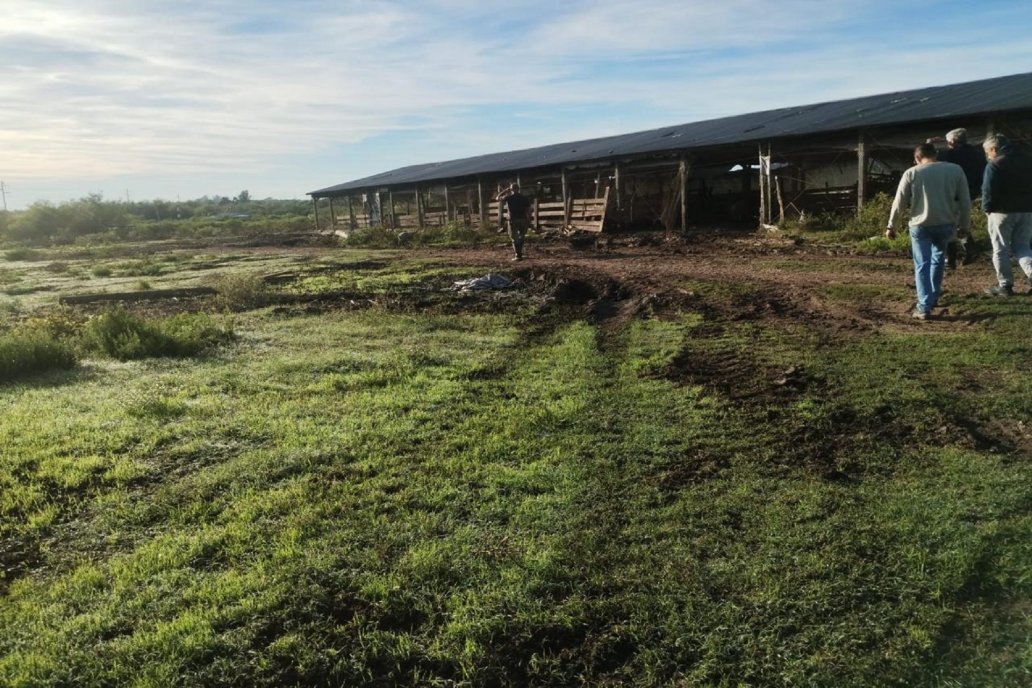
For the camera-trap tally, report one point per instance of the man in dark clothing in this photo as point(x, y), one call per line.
point(518, 207)
point(1007, 201)
point(972, 161)
point(969, 157)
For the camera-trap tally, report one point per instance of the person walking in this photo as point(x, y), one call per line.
point(936, 193)
point(1007, 202)
point(518, 207)
point(972, 160)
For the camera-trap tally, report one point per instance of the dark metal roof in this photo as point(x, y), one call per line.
point(1001, 94)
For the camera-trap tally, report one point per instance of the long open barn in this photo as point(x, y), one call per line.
point(756, 168)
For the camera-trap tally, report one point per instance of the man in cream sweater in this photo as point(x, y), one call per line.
point(936, 193)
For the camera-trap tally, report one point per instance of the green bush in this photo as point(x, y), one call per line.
point(33, 350)
point(22, 253)
point(448, 235)
point(101, 271)
point(242, 291)
point(122, 335)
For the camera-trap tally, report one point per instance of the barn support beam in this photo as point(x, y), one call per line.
point(765, 195)
point(419, 209)
point(333, 214)
point(861, 171)
point(682, 191)
point(566, 201)
point(315, 205)
point(481, 208)
point(616, 184)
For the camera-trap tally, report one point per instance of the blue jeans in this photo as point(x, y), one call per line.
point(928, 245)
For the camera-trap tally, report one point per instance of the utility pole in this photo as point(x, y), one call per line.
point(3, 193)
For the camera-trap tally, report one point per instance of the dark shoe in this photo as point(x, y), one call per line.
point(999, 291)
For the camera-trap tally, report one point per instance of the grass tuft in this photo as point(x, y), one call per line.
point(122, 335)
point(31, 351)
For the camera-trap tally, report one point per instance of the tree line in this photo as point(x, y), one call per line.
point(44, 223)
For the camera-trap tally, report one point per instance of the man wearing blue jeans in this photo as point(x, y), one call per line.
point(936, 193)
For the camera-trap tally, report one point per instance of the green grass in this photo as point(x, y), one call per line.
point(122, 335)
point(25, 352)
point(379, 498)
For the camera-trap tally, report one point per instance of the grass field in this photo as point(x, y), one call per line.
point(377, 483)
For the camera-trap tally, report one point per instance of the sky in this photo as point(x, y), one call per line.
point(169, 99)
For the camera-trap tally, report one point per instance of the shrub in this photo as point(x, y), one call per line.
point(242, 291)
point(140, 268)
point(122, 335)
point(372, 237)
point(32, 350)
point(101, 271)
point(447, 235)
point(22, 254)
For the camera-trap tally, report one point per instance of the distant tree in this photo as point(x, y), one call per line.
point(243, 197)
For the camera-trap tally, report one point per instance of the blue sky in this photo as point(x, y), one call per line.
point(166, 98)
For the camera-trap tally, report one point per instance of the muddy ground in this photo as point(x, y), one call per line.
point(765, 276)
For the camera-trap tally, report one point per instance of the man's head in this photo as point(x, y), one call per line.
point(957, 137)
point(926, 152)
point(994, 144)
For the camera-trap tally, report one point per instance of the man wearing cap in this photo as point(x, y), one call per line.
point(972, 161)
point(937, 196)
point(1007, 201)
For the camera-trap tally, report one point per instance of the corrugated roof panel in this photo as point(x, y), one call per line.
point(1001, 94)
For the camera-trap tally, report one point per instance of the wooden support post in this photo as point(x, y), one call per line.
point(566, 202)
point(333, 214)
point(447, 204)
point(763, 188)
point(537, 213)
point(315, 204)
point(480, 202)
point(861, 171)
point(616, 184)
point(770, 183)
point(682, 178)
point(781, 200)
point(390, 201)
point(419, 209)
point(351, 214)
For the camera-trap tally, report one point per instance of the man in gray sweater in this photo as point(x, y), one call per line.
point(936, 193)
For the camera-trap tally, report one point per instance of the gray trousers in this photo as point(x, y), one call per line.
point(1010, 234)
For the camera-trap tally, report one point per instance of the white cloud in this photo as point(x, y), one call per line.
point(106, 89)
